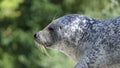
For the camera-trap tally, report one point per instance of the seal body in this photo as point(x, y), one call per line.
point(92, 43)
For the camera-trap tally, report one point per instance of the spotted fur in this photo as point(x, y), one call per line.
point(92, 43)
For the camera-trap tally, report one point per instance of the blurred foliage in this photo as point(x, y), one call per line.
point(20, 19)
point(8, 8)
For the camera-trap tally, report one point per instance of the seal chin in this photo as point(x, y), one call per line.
point(43, 43)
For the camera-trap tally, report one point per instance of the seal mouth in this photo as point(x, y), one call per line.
point(41, 39)
point(43, 43)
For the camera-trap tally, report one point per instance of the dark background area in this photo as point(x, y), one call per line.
point(20, 19)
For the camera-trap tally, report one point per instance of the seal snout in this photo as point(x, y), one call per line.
point(42, 38)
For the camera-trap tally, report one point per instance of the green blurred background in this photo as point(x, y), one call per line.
point(20, 19)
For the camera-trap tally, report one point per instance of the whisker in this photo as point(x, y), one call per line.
point(43, 49)
point(54, 17)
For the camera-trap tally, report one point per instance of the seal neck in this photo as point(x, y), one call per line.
point(68, 50)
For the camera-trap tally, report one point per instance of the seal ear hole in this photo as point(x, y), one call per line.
point(60, 27)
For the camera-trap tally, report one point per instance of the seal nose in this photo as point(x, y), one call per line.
point(35, 35)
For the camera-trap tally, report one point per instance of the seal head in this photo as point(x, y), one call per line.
point(65, 33)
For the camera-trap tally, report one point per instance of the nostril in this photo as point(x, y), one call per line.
point(35, 35)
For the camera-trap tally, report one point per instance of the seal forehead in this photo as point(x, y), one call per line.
point(70, 21)
point(74, 21)
point(69, 18)
point(74, 18)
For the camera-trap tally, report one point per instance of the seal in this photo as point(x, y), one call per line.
point(92, 43)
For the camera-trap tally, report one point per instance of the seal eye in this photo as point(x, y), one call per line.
point(50, 29)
